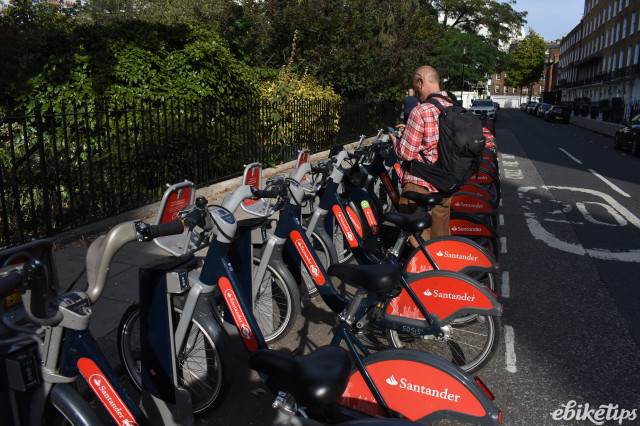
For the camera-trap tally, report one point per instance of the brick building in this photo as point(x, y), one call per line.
point(599, 57)
point(544, 89)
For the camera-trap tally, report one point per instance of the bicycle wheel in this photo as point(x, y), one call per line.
point(469, 342)
point(274, 305)
point(204, 369)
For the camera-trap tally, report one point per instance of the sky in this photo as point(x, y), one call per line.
point(551, 19)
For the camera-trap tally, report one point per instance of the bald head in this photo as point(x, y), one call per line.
point(425, 80)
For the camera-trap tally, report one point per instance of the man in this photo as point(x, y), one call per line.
point(408, 103)
point(421, 136)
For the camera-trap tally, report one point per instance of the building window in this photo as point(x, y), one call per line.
point(497, 88)
point(506, 90)
point(629, 56)
point(524, 90)
point(515, 91)
point(635, 56)
point(624, 28)
point(497, 76)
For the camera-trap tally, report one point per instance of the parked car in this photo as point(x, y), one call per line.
point(523, 106)
point(531, 107)
point(542, 109)
point(558, 113)
point(629, 136)
point(482, 106)
point(496, 106)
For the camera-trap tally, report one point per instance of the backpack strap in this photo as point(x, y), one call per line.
point(431, 99)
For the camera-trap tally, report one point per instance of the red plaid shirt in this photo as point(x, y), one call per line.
point(420, 135)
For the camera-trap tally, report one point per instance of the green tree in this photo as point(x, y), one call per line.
point(499, 19)
point(194, 12)
point(364, 48)
point(527, 62)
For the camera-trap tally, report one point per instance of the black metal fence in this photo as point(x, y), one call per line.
point(65, 165)
point(608, 110)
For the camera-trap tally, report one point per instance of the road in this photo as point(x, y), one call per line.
point(571, 257)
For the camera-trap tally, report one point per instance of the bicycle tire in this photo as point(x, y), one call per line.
point(277, 303)
point(468, 332)
point(208, 382)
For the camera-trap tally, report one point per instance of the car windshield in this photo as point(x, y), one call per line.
point(482, 103)
point(558, 109)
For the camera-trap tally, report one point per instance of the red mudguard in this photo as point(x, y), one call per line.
point(472, 203)
point(421, 387)
point(452, 254)
point(469, 225)
point(446, 295)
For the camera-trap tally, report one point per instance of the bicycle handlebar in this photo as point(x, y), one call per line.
point(150, 232)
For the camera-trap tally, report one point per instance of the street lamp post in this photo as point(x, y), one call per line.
point(464, 54)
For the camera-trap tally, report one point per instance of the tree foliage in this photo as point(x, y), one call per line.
point(140, 60)
point(499, 18)
point(527, 61)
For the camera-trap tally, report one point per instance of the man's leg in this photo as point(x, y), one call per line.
point(407, 206)
point(441, 218)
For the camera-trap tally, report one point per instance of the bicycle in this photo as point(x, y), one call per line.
point(371, 384)
point(49, 344)
point(415, 310)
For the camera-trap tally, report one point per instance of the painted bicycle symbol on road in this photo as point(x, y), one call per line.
point(547, 218)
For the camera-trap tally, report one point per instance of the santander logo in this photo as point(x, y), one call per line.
point(105, 392)
point(404, 383)
point(237, 314)
point(466, 229)
point(457, 256)
point(307, 258)
point(473, 206)
point(440, 295)
point(346, 229)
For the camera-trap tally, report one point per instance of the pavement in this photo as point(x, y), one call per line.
point(597, 126)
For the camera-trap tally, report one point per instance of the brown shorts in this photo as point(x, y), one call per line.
point(439, 214)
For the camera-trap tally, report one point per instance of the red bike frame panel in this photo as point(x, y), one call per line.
point(307, 258)
point(344, 225)
point(370, 216)
point(355, 220)
point(238, 315)
point(415, 390)
point(105, 392)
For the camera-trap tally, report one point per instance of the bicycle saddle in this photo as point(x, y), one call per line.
point(428, 201)
point(414, 222)
point(374, 278)
point(314, 380)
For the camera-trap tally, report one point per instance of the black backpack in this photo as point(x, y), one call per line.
point(460, 146)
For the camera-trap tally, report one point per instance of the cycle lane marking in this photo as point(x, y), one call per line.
point(510, 352)
point(598, 175)
point(540, 233)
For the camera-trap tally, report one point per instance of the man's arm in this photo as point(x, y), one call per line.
point(408, 147)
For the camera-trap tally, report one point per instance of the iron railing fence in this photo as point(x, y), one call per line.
point(607, 110)
point(66, 165)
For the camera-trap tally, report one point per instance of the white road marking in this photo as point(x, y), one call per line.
point(503, 244)
point(571, 156)
point(501, 219)
point(505, 290)
point(582, 208)
point(509, 342)
point(539, 233)
point(611, 184)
